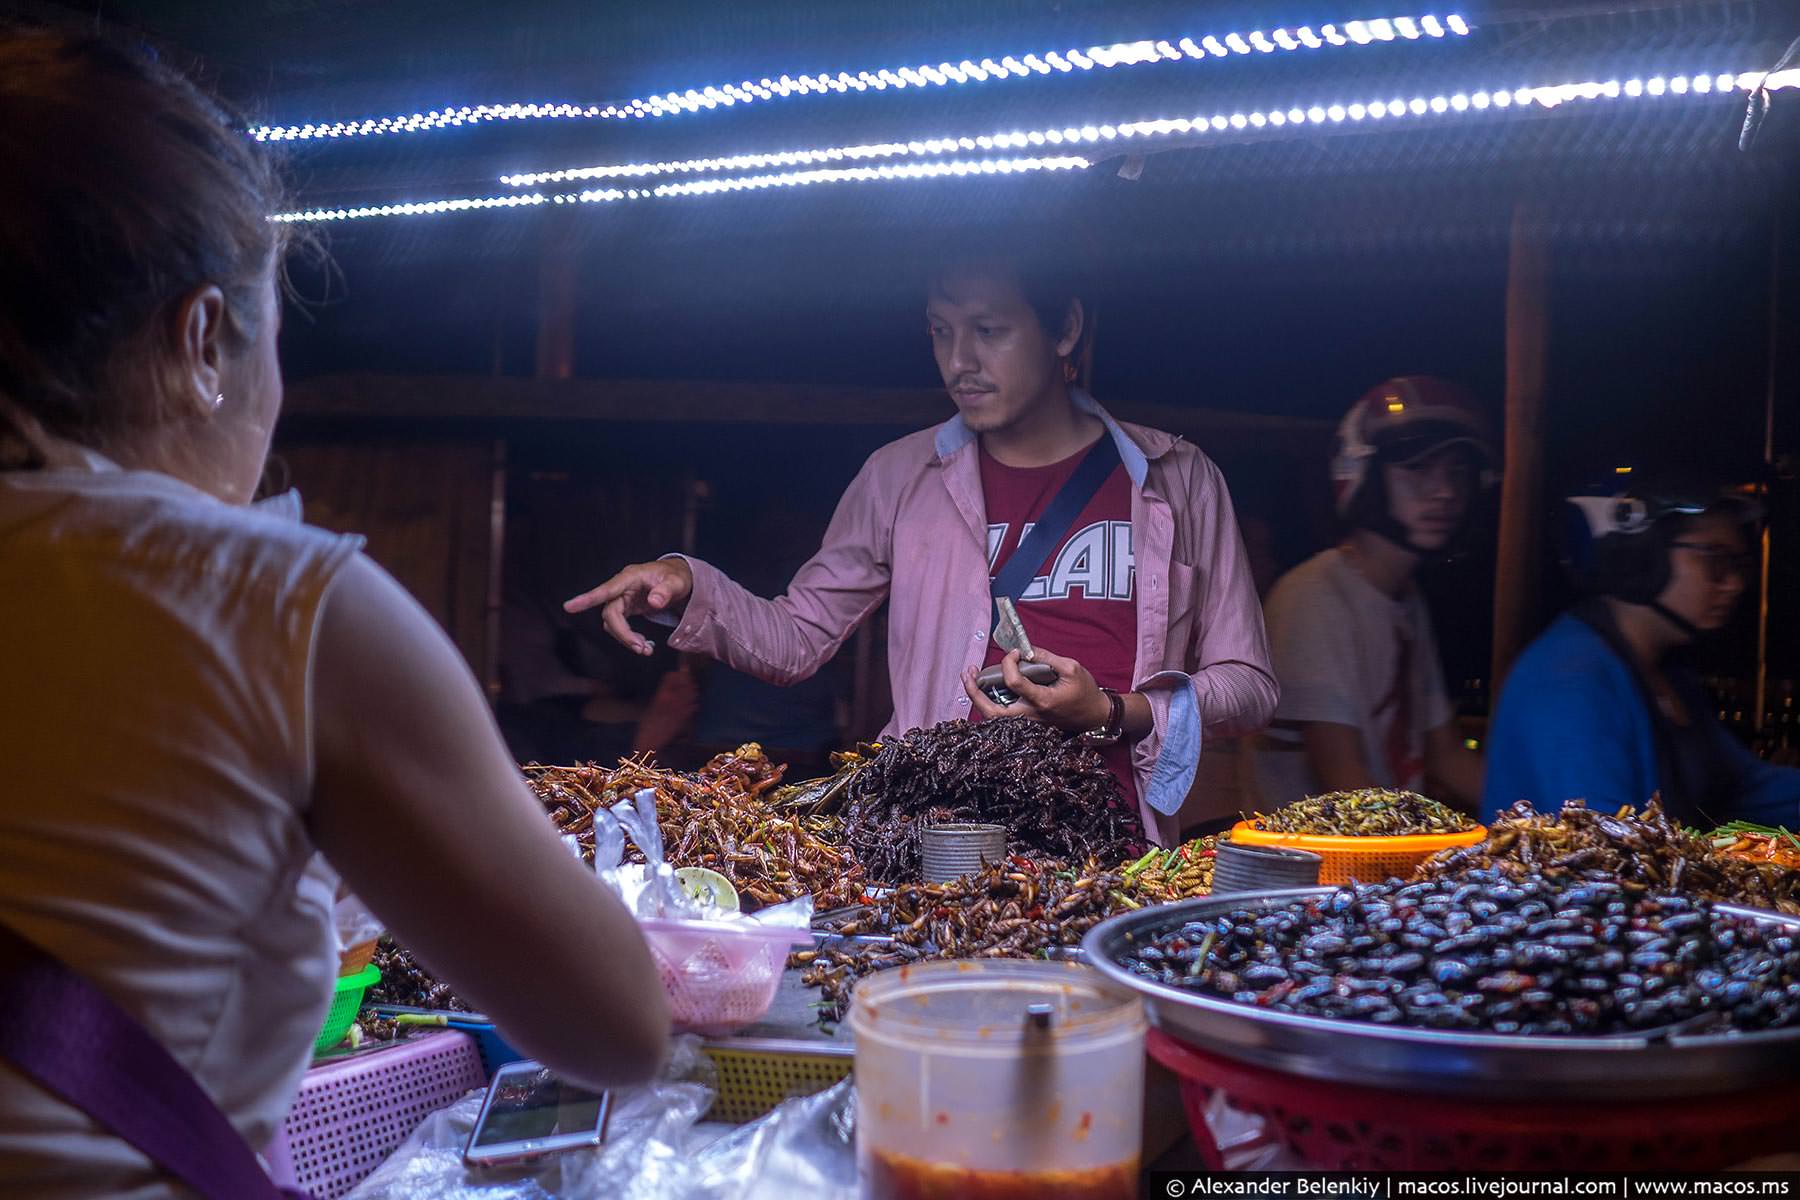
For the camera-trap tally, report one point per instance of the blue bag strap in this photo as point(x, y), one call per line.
point(1054, 524)
point(66, 1034)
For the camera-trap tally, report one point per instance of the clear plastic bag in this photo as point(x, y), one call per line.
point(644, 1157)
point(806, 1147)
point(721, 969)
point(355, 923)
point(1244, 1141)
point(651, 891)
point(660, 895)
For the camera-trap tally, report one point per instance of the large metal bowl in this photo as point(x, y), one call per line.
point(1638, 1066)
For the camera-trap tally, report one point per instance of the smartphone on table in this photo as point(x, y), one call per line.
point(530, 1113)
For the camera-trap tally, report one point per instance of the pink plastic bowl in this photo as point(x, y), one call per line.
point(720, 975)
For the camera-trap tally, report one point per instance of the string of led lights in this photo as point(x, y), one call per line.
point(1121, 54)
point(1090, 135)
point(699, 187)
point(1259, 123)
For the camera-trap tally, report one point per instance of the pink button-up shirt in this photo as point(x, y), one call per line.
point(912, 529)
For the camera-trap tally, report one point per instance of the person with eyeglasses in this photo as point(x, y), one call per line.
point(1602, 707)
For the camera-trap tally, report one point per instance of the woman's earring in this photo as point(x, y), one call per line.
point(218, 400)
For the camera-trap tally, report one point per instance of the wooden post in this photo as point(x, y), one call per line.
point(556, 301)
point(862, 681)
point(1518, 572)
point(496, 596)
point(1771, 395)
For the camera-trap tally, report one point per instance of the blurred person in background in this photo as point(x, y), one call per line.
point(1363, 702)
point(1145, 608)
point(801, 723)
point(550, 709)
point(1602, 707)
point(204, 697)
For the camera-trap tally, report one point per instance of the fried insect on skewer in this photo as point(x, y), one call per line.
point(1644, 850)
point(1162, 876)
point(1018, 909)
point(1056, 797)
point(721, 816)
point(1368, 812)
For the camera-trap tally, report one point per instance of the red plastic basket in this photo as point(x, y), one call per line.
point(1345, 1127)
point(350, 1115)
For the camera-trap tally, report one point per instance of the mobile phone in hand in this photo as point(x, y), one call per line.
point(529, 1113)
point(992, 681)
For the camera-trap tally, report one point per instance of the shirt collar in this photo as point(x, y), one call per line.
point(954, 434)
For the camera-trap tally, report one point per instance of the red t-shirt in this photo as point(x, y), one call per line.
point(1083, 602)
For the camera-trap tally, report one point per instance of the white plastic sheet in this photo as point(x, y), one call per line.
point(806, 1147)
point(644, 1157)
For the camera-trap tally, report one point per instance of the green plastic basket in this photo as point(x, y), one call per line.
point(346, 1002)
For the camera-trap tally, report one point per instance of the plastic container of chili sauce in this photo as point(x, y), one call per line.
point(996, 1080)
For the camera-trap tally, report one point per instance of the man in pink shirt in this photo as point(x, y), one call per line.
point(1145, 609)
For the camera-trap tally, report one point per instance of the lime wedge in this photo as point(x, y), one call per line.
point(709, 887)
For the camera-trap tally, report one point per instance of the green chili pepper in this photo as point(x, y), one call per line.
point(1132, 871)
point(1206, 945)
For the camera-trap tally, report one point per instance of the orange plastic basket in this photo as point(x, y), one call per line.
point(1364, 859)
point(353, 960)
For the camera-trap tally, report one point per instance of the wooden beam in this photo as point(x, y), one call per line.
point(426, 398)
point(1519, 568)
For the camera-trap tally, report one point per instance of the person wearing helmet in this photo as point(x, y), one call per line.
point(1601, 707)
point(1363, 702)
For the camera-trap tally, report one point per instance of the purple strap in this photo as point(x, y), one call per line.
point(65, 1033)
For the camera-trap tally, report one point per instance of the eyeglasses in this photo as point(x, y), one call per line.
point(1721, 562)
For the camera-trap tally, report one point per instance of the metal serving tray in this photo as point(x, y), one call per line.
point(1656, 1064)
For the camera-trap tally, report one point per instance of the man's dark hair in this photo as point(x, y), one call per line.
point(1051, 272)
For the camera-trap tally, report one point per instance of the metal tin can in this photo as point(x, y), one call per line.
point(952, 851)
point(1240, 868)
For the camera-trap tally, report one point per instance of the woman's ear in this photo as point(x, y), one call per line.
point(1073, 323)
point(200, 333)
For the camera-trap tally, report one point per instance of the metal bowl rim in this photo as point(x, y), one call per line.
point(1528, 1042)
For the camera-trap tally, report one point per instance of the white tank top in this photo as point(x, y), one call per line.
point(155, 771)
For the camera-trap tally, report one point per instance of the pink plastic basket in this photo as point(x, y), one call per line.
point(720, 975)
point(351, 1115)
